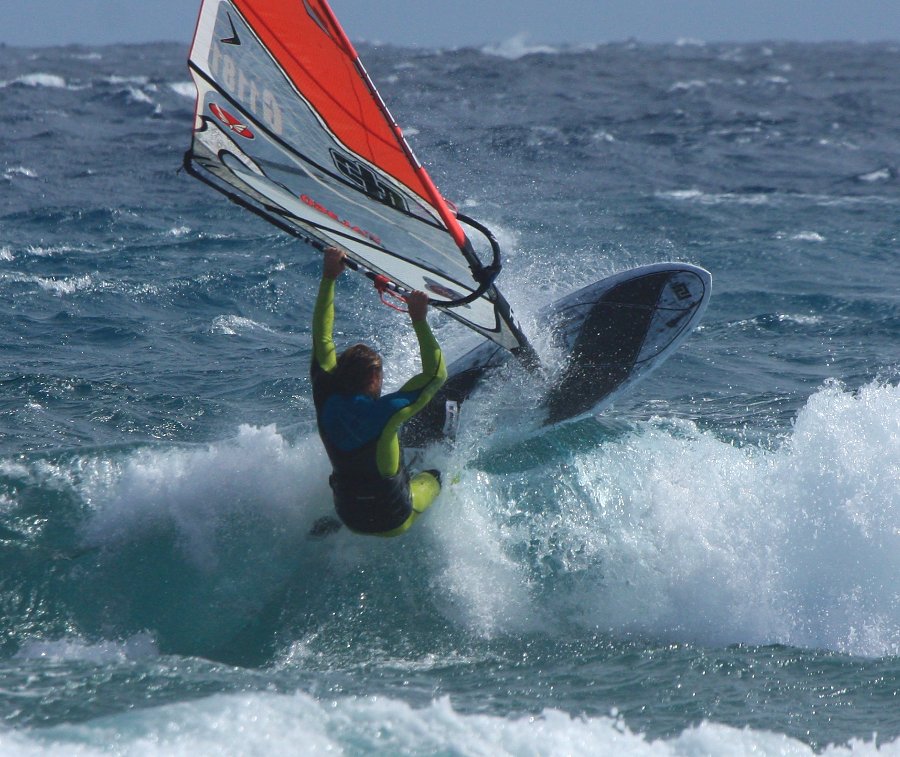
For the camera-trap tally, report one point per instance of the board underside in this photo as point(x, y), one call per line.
point(615, 332)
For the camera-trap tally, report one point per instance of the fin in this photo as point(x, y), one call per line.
point(451, 419)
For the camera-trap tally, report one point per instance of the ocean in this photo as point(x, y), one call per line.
point(708, 568)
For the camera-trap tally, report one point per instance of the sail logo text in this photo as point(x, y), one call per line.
point(249, 91)
point(335, 217)
point(364, 178)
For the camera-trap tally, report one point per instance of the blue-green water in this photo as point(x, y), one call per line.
point(709, 568)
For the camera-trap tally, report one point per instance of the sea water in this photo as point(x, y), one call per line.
point(710, 567)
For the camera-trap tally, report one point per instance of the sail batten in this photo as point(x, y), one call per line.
point(289, 124)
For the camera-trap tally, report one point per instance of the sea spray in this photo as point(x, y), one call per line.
point(665, 530)
point(671, 532)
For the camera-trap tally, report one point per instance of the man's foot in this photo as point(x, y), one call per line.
point(324, 526)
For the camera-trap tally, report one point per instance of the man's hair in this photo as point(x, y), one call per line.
point(355, 367)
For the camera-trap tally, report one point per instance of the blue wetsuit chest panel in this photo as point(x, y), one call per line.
point(351, 426)
point(352, 421)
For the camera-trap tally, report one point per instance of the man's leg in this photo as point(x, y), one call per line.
point(424, 488)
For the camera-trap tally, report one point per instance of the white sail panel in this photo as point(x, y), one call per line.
point(288, 124)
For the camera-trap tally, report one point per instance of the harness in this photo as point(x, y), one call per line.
point(365, 500)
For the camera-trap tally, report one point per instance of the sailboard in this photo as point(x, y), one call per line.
point(289, 125)
point(614, 332)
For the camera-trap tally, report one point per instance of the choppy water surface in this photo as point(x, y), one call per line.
point(710, 567)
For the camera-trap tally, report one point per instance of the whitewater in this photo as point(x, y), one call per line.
point(709, 567)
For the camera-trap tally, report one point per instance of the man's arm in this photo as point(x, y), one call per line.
point(419, 389)
point(432, 359)
point(324, 352)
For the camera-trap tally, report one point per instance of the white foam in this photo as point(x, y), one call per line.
point(41, 252)
point(517, 47)
point(138, 80)
point(674, 533)
point(669, 531)
point(801, 236)
point(51, 81)
point(28, 173)
point(232, 325)
point(801, 320)
point(882, 174)
point(14, 470)
point(268, 723)
point(199, 490)
point(715, 198)
point(687, 86)
point(65, 286)
point(138, 647)
point(808, 236)
point(137, 95)
point(184, 88)
point(683, 194)
point(482, 586)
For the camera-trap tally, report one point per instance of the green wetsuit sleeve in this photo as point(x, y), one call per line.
point(432, 378)
point(324, 352)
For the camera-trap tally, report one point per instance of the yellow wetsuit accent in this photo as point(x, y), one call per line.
point(424, 488)
point(432, 377)
point(323, 327)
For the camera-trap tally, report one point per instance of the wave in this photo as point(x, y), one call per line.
point(75, 649)
point(232, 325)
point(661, 529)
point(673, 533)
point(185, 89)
point(518, 47)
point(881, 174)
point(379, 725)
point(10, 173)
point(51, 81)
point(775, 198)
point(60, 286)
point(716, 198)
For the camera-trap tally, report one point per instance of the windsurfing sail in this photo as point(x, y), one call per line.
point(289, 125)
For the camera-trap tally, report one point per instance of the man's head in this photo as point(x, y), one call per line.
point(359, 371)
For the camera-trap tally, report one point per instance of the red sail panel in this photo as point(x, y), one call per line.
point(315, 53)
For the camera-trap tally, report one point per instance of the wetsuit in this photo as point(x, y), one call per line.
point(372, 489)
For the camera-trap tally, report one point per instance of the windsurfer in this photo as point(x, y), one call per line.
point(373, 491)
